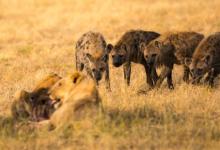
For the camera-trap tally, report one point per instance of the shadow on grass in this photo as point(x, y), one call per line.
point(16, 129)
point(115, 122)
point(148, 114)
point(10, 127)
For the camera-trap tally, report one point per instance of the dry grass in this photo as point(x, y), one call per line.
point(37, 37)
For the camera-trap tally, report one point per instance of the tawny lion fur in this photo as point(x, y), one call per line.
point(79, 97)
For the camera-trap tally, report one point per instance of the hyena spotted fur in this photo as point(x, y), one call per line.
point(127, 50)
point(35, 105)
point(170, 49)
point(206, 59)
point(92, 56)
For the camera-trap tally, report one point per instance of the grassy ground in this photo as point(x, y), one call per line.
point(37, 37)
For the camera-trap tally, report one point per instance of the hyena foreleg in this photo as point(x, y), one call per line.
point(149, 75)
point(107, 80)
point(169, 79)
point(127, 72)
point(211, 77)
point(154, 75)
point(186, 73)
point(166, 72)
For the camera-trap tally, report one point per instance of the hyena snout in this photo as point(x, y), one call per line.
point(150, 59)
point(118, 60)
point(196, 75)
point(197, 72)
point(97, 74)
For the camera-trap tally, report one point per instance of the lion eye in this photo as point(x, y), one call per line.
point(60, 84)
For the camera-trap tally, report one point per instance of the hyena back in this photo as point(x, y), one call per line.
point(92, 56)
point(170, 49)
point(127, 50)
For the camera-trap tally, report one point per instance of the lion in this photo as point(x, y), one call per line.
point(78, 97)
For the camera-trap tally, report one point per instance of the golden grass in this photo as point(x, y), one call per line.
point(37, 37)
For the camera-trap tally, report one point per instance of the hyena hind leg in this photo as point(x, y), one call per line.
point(154, 76)
point(149, 75)
point(186, 74)
point(127, 72)
point(170, 80)
point(107, 80)
point(166, 72)
point(212, 75)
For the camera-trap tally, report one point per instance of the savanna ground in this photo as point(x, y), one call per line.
point(38, 36)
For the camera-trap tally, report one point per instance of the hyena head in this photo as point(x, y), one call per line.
point(118, 53)
point(98, 65)
point(32, 106)
point(43, 107)
point(155, 49)
point(200, 66)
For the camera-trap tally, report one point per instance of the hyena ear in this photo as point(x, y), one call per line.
point(141, 46)
point(123, 46)
point(27, 97)
point(109, 48)
point(208, 59)
point(158, 44)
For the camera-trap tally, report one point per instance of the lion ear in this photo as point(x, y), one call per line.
point(76, 77)
point(75, 80)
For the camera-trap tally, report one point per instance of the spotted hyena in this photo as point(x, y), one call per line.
point(35, 105)
point(206, 59)
point(127, 50)
point(170, 49)
point(92, 56)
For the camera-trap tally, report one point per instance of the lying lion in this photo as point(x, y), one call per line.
point(78, 98)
